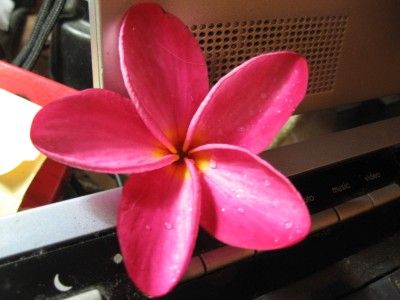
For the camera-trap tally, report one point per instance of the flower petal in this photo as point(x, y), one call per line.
point(249, 105)
point(16, 183)
point(98, 130)
point(246, 202)
point(157, 226)
point(164, 70)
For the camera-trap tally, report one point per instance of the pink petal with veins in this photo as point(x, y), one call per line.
point(98, 130)
point(157, 226)
point(163, 69)
point(246, 202)
point(249, 105)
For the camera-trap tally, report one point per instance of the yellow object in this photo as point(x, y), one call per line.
point(19, 159)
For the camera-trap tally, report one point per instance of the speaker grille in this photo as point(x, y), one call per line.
point(319, 39)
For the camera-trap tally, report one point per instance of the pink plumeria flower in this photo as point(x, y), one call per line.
point(193, 150)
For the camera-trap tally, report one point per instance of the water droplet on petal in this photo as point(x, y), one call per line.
point(241, 129)
point(288, 225)
point(263, 95)
point(167, 225)
point(290, 237)
point(239, 193)
point(278, 111)
point(267, 182)
point(240, 210)
point(148, 227)
point(212, 164)
point(174, 268)
point(174, 279)
point(276, 240)
point(223, 209)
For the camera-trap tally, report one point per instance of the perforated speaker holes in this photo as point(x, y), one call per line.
point(319, 39)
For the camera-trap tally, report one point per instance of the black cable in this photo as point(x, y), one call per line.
point(47, 27)
point(41, 17)
point(47, 18)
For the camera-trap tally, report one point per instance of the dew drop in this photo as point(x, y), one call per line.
point(263, 95)
point(174, 268)
point(148, 227)
point(174, 279)
point(118, 258)
point(212, 164)
point(267, 182)
point(278, 111)
point(241, 129)
point(288, 225)
point(290, 237)
point(223, 209)
point(240, 210)
point(239, 193)
point(167, 225)
point(276, 240)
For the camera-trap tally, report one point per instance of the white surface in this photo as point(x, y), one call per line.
point(54, 223)
point(88, 295)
